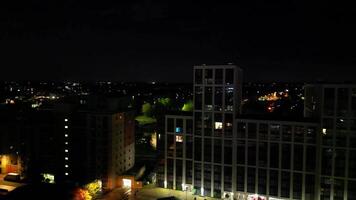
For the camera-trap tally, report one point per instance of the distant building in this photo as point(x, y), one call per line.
point(80, 142)
point(231, 156)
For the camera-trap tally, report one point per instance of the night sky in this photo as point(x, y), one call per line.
point(159, 41)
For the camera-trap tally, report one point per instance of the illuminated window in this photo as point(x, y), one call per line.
point(179, 138)
point(48, 178)
point(66, 143)
point(324, 131)
point(66, 150)
point(218, 125)
point(66, 158)
point(65, 135)
point(66, 173)
point(66, 166)
point(126, 182)
point(65, 127)
point(66, 120)
point(178, 129)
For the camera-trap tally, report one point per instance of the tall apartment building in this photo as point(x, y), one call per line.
point(79, 142)
point(334, 107)
point(228, 155)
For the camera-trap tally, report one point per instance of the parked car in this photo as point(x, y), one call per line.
point(14, 177)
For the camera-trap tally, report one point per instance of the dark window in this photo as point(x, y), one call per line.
point(208, 75)
point(251, 180)
point(241, 130)
point(329, 100)
point(170, 125)
point(298, 157)
point(342, 101)
point(228, 152)
point(218, 76)
point(198, 76)
point(229, 76)
point(274, 155)
point(240, 152)
point(197, 149)
point(252, 129)
point(251, 153)
point(240, 178)
point(297, 186)
point(198, 98)
point(217, 151)
point(262, 181)
point(208, 99)
point(218, 98)
point(310, 158)
point(262, 154)
point(340, 161)
point(285, 185)
point(286, 156)
point(273, 182)
point(207, 150)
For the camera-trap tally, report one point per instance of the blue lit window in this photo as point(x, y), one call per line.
point(178, 129)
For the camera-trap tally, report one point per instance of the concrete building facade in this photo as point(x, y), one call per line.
point(229, 156)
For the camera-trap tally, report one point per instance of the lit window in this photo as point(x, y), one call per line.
point(66, 158)
point(126, 183)
point(65, 135)
point(66, 150)
point(324, 131)
point(66, 120)
point(66, 143)
point(65, 127)
point(228, 124)
point(66, 166)
point(218, 125)
point(178, 129)
point(66, 173)
point(179, 138)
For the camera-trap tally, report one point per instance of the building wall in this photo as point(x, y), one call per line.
point(336, 112)
point(122, 153)
point(178, 165)
point(217, 97)
point(276, 159)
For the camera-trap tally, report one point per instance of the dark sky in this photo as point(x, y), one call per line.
point(155, 40)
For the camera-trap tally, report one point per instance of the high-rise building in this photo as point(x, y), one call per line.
point(228, 155)
point(334, 107)
point(74, 142)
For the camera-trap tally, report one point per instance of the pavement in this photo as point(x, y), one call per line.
point(151, 193)
point(7, 185)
